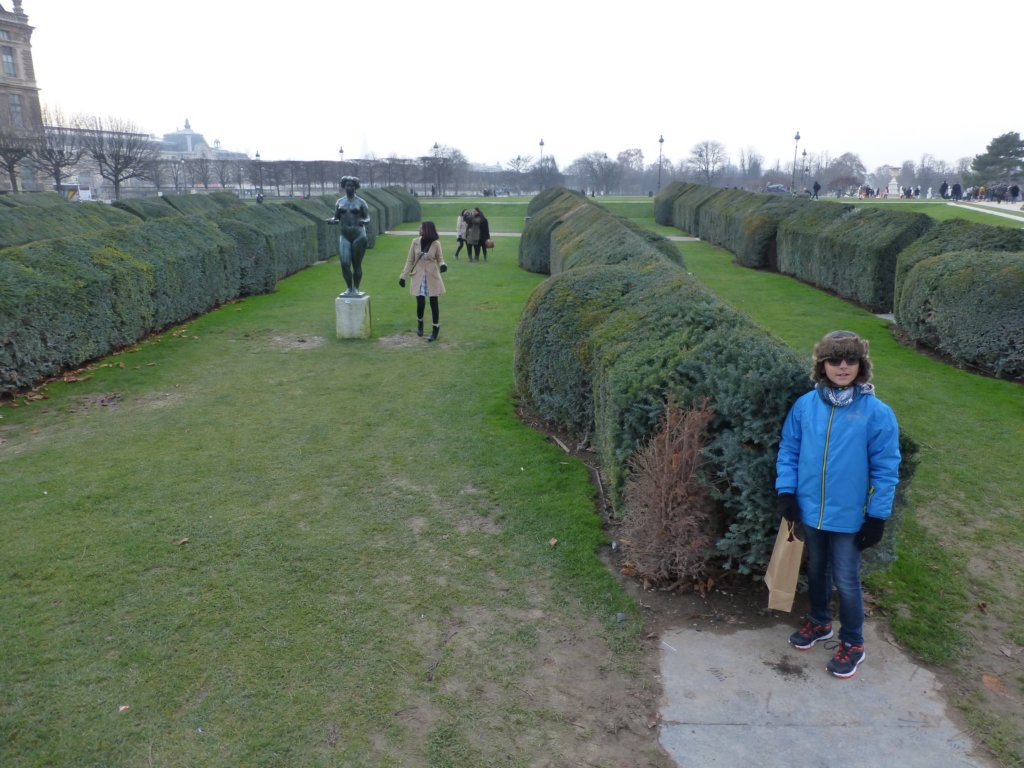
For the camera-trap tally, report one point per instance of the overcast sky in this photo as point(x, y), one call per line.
point(888, 80)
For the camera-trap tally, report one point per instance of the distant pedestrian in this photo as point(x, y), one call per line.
point(1014, 193)
point(816, 188)
point(460, 231)
point(423, 267)
point(478, 232)
point(836, 473)
point(956, 190)
point(944, 190)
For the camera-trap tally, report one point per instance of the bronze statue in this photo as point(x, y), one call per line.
point(353, 215)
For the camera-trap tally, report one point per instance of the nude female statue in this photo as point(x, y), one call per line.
point(352, 215)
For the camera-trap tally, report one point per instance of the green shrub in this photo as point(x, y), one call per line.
point(30, 217)
point(746, 223)
point(953, 235)
point(544, 214)
point(687, 205)
point(147, 208)
point(664, 202)
point(848, 250)
point(968, 305)
point(65, 301)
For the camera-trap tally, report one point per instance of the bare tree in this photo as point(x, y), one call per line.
point(222, 171)
point(708, 159)
point(58, 149)
point(119, 148)
point(15, 145)
point(201, 170)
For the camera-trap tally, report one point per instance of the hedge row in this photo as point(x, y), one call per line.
point(602, 345)
point(871, 256)
point(25, 218)
point(94, 288)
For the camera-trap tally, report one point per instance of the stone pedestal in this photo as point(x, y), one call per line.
point(353, 316)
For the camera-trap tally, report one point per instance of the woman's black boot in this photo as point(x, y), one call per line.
point(419, 327)
point(433, 333)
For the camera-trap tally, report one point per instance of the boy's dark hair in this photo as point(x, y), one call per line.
point(841, 344)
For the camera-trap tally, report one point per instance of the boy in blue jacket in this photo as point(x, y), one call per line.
point(837, 470)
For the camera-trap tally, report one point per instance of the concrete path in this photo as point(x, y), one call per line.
point(1006, 210)
point(749, 698)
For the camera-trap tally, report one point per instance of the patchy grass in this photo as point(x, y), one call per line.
point(246, 542)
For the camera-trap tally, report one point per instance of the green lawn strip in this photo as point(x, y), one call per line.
point(276, 547)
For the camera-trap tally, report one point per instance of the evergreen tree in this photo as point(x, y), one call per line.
point(1003, 159)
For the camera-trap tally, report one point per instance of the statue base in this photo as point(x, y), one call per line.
point(352, 315)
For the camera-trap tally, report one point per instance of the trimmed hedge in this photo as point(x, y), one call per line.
point(968, 305)
point(952, 235)
point(665, 201)
point(601, 346)
point(28, 217)
point(848, 250)
point(65, 301)
point(544, 214)
point(747, 224)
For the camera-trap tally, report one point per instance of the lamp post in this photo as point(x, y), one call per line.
point(661, 143)
point(182, 166)
point(437, 167)
point(341, 168)
point(792, 186)
point(259, 167)
point(803, 172)
point(540, 164)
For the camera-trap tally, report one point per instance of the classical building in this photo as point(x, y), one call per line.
point(19, 96)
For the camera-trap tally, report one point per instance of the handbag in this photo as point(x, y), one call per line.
point(488, 243)
point(784, 568)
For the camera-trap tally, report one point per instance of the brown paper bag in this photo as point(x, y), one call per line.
point(784, 569)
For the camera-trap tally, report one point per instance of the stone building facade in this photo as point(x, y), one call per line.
point(19, 96)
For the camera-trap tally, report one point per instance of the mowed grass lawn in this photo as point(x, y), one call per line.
point(246, 542)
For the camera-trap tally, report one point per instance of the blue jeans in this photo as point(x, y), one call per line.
point(833, 559)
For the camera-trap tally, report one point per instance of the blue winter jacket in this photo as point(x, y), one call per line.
point(841, 462)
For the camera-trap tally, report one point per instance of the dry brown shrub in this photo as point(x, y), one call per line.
point(667, 529)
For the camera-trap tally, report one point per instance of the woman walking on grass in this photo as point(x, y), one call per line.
point(423, 267)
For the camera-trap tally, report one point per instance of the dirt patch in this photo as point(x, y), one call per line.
point(408, 340)
point(96, 400)
point(293, 341)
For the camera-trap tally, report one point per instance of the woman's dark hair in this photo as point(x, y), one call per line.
point(346, 179)
point(430, 234)
point(841, 344)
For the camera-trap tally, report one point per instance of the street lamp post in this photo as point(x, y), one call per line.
point(803, 172)
point(182, 166)
point(792, 186)
point(661, 143)
point(259, 167)
point(541, 163)
point(341, 168)
point(437, 167)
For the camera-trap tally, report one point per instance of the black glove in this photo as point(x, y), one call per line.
point(444, 267)
point(401, 282)
point(788, 507)
point(870, 533)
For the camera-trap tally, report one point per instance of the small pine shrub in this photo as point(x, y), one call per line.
point(669, 529)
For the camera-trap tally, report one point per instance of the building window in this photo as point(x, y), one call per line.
point(4, 34)
point(8, 56)
point(17, 114)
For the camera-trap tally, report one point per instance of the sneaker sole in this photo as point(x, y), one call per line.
point(852, 672)
point(811, 644)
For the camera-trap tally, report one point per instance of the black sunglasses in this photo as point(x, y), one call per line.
point(838, 359)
